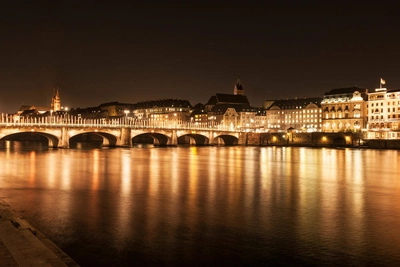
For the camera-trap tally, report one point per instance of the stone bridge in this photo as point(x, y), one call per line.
point(59, 136)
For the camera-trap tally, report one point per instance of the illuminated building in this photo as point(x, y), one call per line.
point(55, 101)
point(232, 110)
point(162, 111)
point(116, 109)
point(384, 113)
point(200, 117)
point(302, 115)
point(344, 109)
point(36, 110)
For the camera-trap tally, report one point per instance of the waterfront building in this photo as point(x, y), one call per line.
point(344, 109)
point(300, 115)
point(115, 109)
point(232, 110)
point(157, 112)
point(260, 119)
point(199, 116)
point(384, 114)
point(32, 110)
point(89, 113)
point(37, 110)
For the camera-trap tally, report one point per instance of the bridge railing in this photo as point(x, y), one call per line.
point(126, 122)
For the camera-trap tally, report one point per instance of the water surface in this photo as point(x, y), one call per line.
point(210, 205)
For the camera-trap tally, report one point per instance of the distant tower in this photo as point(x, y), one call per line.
point(55, 101)
point(238, 89)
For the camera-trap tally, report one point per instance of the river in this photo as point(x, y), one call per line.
point(219, 206)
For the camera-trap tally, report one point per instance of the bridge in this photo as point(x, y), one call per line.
point(121, 132)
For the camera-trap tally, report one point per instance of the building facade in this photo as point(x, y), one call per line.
point(232, 111)
point(164, 111)
point(384, 114)
point(300, 115)
point(344, 109)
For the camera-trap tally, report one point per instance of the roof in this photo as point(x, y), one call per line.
point(238, 107)
point(344, 91)
point(43, 108)
point(296, 103)
point(115, 103)
point(393, 90)
point(26, 107)
point(169, 102)
point(33, 107)
point(29, 112)
point(228, 99)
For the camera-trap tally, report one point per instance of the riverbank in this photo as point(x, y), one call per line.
point(21, 244)
point(317, 139)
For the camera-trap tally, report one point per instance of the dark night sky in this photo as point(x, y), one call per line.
point(131, 51)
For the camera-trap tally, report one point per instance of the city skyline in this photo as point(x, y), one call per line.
point(130, 53)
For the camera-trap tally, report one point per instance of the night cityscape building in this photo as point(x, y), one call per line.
point(383, 108)
point(232, 110)
point(344, 109)
point(56, 101)
point(303, 115)
point(157, 112)
point(350, 109)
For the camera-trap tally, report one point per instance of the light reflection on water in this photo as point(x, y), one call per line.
point(210, 205)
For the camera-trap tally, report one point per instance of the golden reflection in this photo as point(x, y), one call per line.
point(251, 165)
point(193, 174)
point(329, 192)
point(153, 203)
point(51, 170)
point(95, 168)
point(66, 171)
point(174, 197)
point(126, 178)
point(126, 204)
point(32, 165)
point(154, 172)
point(264, 167)
point(356, 195)
point(212, 172)
point(174, 174)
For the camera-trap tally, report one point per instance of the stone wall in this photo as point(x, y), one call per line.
point(316, 140)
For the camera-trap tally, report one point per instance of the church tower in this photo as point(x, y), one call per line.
point(238, 89)
point(55, 101)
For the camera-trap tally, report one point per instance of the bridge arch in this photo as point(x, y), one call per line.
point(155, 138)
point(226, 139)
point(193, 139)
point(52, 140)
point(106, 139)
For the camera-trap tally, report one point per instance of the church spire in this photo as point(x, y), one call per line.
point(238, 89)
point(55, 101)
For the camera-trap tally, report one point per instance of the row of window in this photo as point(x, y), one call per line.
point(297, 121)
point(340, 116)
point(393, 116)
point(388, 103)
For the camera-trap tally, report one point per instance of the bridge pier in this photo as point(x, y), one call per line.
point(125, 139)
point(173, 141)
point(211, 138)
point(242, 140)
point(64, 141)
